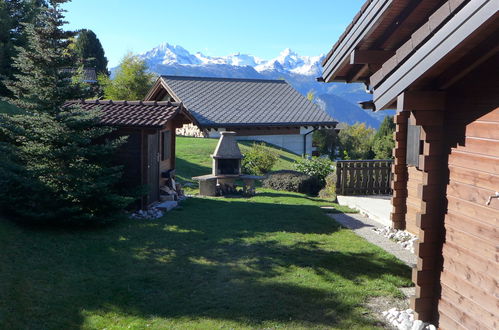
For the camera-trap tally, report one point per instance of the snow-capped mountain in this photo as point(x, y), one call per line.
point(287, 61)
point(338, 99)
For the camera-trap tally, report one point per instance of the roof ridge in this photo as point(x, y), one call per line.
point(224, 79)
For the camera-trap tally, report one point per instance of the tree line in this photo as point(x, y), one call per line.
point(357, 141)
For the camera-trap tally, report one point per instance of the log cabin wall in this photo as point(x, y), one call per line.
point(470, 275)
point(399, 170)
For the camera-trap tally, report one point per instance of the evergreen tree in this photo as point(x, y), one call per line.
point(53, 167)
point(13, 15)
point(132, 81)
point(89, 52)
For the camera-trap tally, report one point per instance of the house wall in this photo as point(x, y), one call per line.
point(457, 271)
point(130, 156)
point(470, 274)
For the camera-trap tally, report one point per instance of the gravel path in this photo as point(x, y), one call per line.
point(362, 226)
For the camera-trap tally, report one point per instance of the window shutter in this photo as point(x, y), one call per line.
point(413, 145)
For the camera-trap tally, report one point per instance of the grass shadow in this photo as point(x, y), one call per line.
point(241, 263)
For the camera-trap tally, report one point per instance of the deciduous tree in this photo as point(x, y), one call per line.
point(131, 82)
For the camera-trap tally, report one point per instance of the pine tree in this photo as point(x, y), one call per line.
point(53, 168)
point(89, 52)
point(13, 15)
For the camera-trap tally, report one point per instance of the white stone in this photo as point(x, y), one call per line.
point(417, 325)
point(167, 206)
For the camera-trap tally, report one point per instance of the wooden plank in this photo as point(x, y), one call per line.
point(474, 177)
point(473, 161)
point(429, 163)
point(439, 16)
point(472, 243)
point(484, 299)
point(447, 322)
point(472, 193)
point(476, 227)
point(471, 115)
point(370, 56)
point(442, 42)
point(481, 146)
point(421, 101)
point(432, 148)
point(481, 129)
point(476, 262)
point(473, 210)
point(485, 281)
point(457, 313)
point(363, 26)
point(428, 118)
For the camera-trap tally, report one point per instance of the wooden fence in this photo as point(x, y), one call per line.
point(363, 177)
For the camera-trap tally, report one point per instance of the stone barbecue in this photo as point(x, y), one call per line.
point(227, 156)
point(226, 170)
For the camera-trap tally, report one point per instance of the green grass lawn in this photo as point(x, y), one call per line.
point(271, 261)
point(275, 260)
point(193, 156)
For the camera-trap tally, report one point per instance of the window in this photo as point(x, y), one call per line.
point(414, 145)
point(166, 146)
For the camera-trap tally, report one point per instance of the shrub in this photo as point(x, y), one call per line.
point(292, 181)
point(258, 160)
point(329, 191)
point(316, 166)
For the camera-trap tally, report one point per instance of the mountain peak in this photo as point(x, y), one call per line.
point(287, 52)
point(287, 60)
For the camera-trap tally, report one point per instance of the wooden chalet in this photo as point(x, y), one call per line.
point(437, 63)
point(148, 155)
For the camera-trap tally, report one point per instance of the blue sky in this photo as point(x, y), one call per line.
point(214, 27)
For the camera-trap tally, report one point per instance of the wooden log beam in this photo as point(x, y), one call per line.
point(421, 101)
point(370, 56)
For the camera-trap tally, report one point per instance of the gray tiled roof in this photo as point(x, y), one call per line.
point(216, 102)
point(131, 113)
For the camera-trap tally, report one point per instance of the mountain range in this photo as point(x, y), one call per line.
point(338, 99)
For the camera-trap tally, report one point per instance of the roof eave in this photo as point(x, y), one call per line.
point(338, 58)
point(286, 124)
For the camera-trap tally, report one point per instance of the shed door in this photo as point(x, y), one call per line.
point(153, 167)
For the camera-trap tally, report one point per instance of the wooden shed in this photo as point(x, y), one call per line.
point(437, 63)
point(149, 153)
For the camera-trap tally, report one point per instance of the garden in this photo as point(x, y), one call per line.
point(275, 260)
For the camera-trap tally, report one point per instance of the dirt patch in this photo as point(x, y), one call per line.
point(377, 305)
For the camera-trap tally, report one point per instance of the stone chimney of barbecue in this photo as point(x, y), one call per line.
point(227, 147)
point(227, 156)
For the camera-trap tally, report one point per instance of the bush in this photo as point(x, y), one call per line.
point(292, 181)
point(258, 160)
point(316, 166)
point(329, 191)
